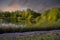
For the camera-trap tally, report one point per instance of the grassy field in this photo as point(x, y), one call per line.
point(35, 35)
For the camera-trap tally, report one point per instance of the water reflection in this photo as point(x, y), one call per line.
point(7, 24)
point(11, 25)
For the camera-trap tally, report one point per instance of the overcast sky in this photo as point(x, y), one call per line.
point(37, 5)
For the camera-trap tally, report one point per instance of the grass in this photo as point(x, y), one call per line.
point(52, 35)
point(40, 37)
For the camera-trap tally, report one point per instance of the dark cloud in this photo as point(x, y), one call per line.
point(37, 5)
point(4, 3)
point(13, 2)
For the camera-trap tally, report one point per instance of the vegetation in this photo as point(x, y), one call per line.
point(40, 35)
point(49, 19)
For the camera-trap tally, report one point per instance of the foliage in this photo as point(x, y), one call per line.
point(46, 20)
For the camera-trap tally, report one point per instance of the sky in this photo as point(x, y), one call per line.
point(36, 5)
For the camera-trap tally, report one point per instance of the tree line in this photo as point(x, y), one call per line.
point(46, 20)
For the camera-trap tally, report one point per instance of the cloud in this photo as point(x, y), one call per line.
point(39, 5)
point(11, 7)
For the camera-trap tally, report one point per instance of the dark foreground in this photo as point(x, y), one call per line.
point(35, 35)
